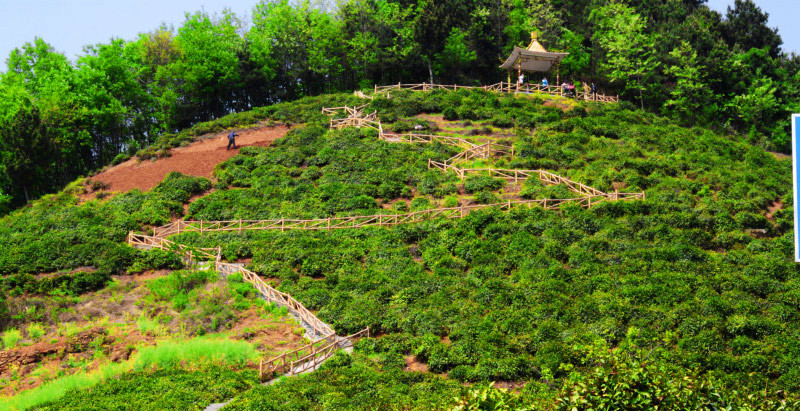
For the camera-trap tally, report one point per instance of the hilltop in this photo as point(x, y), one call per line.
point(681, 297)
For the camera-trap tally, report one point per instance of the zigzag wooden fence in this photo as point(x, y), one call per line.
point(320, 328)
point(545, 177)
point(324, 340)
point(487, 150)
point(503, 87)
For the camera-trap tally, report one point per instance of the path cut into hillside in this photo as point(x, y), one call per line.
point(197, 159)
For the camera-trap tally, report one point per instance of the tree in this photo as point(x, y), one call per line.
point(745, 26)
point(757, 104)
point(455, 57)
point(209, 67)
point(629, 51)
point(690, 93)
point(579, 57)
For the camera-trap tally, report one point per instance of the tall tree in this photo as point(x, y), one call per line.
point(628, 50)
point(690, 93)
point(745, 26)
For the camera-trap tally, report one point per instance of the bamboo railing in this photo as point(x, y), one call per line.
point(503, 87)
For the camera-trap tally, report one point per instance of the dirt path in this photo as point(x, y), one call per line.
point(197, 159)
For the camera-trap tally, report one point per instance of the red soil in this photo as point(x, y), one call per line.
point(197, 159)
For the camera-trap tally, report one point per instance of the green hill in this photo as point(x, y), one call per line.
point(686, 299)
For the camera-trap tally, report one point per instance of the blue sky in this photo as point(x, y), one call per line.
point(69, 25)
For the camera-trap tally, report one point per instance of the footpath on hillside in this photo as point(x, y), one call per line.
point(197, 159)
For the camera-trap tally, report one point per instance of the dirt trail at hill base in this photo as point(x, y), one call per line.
point(197, 159)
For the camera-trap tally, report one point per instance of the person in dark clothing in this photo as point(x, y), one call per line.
point(594, 91)
point(232, 140)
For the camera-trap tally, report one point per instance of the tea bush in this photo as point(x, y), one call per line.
point(697, 265)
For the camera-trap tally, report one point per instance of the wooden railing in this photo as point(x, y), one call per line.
point(278, 297)
point(382, 220)
point(427, 138)
point(307, 357)
point(355, 118)
point(486, 150)
point(189, 253)
point(546, 177)
point(503, 87)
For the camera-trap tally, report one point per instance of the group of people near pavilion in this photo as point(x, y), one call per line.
point(535, 58)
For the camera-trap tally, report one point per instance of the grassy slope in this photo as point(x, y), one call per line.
point(521, 295)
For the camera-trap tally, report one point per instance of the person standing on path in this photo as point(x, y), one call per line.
point(594, 91)
point(232, 140)
point(544, 82)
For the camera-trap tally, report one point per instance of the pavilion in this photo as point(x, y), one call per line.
point(534, 58)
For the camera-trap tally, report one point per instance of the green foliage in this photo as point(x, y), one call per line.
point(179, 287)
point(345, 382)
point(483, 397)
point(163, 389)
point(11, 337)
point(156, 259)
point(518, 294)
point(629, 49)
point(35, 331)
point(474, 184)
point(197, 350)
point(178, 187)
point(61, 119)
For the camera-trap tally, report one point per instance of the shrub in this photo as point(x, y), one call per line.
point(503, 122)
point(486, 197)
point(156, 259)
point(35, 331)
point(420, 203)
point(11, 337)
point(474, 184)
point(466, 113)
point(120, 158)
point(450, 114)
point(401, 206)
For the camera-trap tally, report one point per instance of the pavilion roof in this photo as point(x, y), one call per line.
point(533, 58)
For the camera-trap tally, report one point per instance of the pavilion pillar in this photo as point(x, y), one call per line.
point(558, 74)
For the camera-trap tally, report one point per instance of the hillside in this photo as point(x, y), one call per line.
point(681, 297)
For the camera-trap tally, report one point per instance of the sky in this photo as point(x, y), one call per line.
point(68, 25)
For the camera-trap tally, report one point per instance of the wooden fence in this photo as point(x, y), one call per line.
point(307, 357)
point(545, 177)
point(504, 87)
point(355, 118)
point(382, 220)
point(191, 254)
point(427, 139)
point(486, 150)
point(280, 298)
